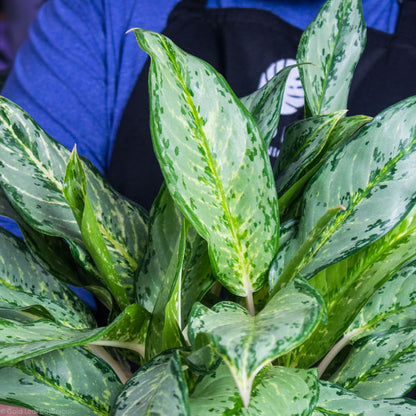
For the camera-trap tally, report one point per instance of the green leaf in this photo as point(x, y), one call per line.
point(71, 381)
point(25, 283)
point(333, 43)
point(277, 391)
point(393, 306)
point(265, 104)
point(248, 343)
point(158, 388)
point(372, 175)
point(334, 400)
point(224, 187)
point(346, 286)
point(303, 142)
point(75, 191)
point(291, 259)
point(203, 360)
point(33, 178)
point(164, 329)
point(19, 341)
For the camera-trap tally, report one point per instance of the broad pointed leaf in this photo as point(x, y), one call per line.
point(333, 43)
point(33, 177)
point(19, 341)
point(372, 175)
point(334, 400)
point(265, 104)
point(277, 391)
point(215, 163)
point(158, 388)
point(346, 286)
point(71, 381)
point(381, 366)
point(248, 343)
point(25, 283)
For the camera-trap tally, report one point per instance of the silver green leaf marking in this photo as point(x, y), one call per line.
point(215, 163)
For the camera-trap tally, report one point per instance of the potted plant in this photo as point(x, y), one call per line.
point(247, 289)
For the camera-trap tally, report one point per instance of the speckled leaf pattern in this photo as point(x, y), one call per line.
point(392, 306)
point(303, 141)
point(76, 194)
point(265, 104)
point(19, 341)
point(71, 381)
point(333, 400)
point(382, 365)
point(346, 286)
point(248, 343)
point(158, 389)
point(215, 163)
point(333, 43)
point(32, 173)
point(277, 391)
point(372, 175)
point(25, 283)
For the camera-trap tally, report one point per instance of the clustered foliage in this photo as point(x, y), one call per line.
point(243, 276)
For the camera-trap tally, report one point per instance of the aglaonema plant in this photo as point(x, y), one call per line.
point(248, 289)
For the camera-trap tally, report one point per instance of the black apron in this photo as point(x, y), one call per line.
point(248, 46)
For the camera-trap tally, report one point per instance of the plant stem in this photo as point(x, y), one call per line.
point(250, 303)
point(118, 344)
point(339, 346)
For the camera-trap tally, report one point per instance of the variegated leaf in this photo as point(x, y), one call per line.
point(372, 175)
point(334, 400)
point(24, 283)
point(76, 194)
point(204, 360)
point(71, 381)
point(32, 174)
point(20, 341)
point(342, 131)
point(277, 391)
point(248, 343)
point(265, 104)
point(290, 258)
point(382, 365)
point(215, 163)
point(346, 286)
point(303, 142)
point(333, 43)
point(158, 388)
point(393, 306)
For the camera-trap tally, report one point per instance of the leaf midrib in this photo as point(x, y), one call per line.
point(212, 167)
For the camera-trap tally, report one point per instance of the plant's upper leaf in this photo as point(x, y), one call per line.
point(333, 43)
point(334, 400)
point(32, 174)
point(302, 144)
point(346, 286)
point(372, 175)
point(265, 104)
point(277, 391)
point(215, 163)
point(158, 388)
point(248, 343)
point(19, 341)
point(25, 283)
point(71, 381)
